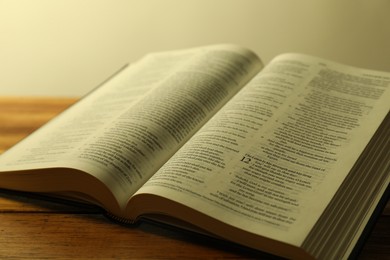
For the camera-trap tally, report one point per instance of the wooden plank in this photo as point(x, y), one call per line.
point(82, 236)
point(57, 236)
point(34, 228)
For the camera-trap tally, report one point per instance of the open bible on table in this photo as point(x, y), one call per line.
point(291, 158)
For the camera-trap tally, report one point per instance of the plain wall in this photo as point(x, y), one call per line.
point(66, 47)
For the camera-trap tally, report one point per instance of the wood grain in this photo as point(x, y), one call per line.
point(32, 227)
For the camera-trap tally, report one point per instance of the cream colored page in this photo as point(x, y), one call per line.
point(144, 137)
point(69, 130)
point(57, 143)
point(125, 130)
point(271, 160)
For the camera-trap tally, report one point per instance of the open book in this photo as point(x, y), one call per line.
point(291, 158)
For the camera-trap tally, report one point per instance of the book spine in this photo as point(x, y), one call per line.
point(120, 220)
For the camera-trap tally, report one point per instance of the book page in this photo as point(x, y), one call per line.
point(124, 131)
point(271, 160)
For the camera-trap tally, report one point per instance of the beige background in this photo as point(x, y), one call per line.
point(66, 47)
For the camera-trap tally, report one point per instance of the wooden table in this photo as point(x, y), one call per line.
point(33, 228)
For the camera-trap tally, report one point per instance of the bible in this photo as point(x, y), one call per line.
point(289, 158)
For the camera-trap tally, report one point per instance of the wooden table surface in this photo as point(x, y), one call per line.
point(34, 228)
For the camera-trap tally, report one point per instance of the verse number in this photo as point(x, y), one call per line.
point(246, 159)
